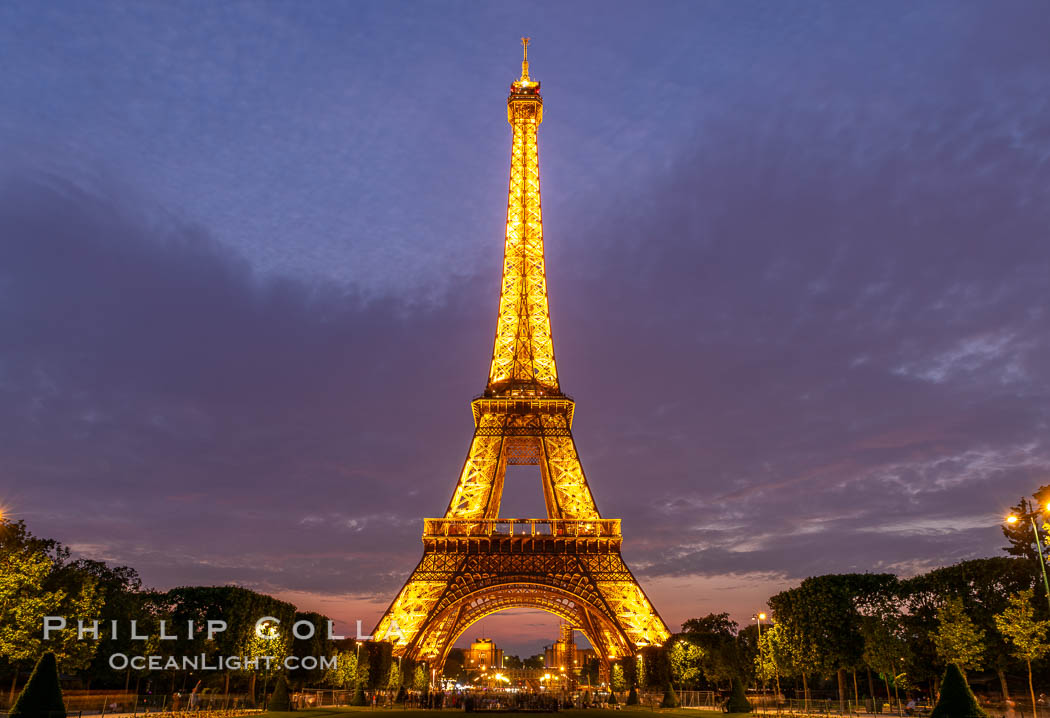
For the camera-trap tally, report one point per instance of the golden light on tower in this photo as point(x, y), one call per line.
point(568, 563)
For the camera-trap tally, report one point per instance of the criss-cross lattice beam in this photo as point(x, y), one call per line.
point(523, 352)
point(569, 563)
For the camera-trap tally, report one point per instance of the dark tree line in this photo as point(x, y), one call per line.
point(40, 579)
point(876, 634)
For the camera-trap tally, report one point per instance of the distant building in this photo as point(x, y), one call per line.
point(564, 654)
point(482, 655)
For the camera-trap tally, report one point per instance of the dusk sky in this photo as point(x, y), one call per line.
point(798, 265)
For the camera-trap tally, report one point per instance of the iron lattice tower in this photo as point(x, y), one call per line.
point(475, 563)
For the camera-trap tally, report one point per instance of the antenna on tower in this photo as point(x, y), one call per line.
point(525, 59)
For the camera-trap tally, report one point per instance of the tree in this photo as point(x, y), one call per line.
point(120, 598)
point(686, 661)
point(42, 695)
point(770, 658)
point(957, 640)
point(641, 671)
point(791, 653)
point(364, 679)
point(535, 661)
point(256, 646)
point(376, 655)
point(823, 617)
point(240, 608)
point(715, 635)
point(956, 699)
point(616, 681)
point(317, 645)
point(23, 604)
point(591, 670)
point(29, 591)
point(885, 645)
point(420, 681)
point(393, 678)
point(1027, 635)
point(632, 697)
point(983, 585)
point(344, 673)
point(747, 653)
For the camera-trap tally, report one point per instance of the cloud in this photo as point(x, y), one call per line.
point(203, 423)
point(798, 290)
point(805, 365)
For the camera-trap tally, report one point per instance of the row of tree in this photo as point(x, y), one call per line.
point(987, 616)
point(40, 579)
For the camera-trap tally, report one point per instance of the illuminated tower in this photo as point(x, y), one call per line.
point(475, 563)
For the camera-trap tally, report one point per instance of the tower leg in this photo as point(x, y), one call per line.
point(480, 485)
point(564, 484)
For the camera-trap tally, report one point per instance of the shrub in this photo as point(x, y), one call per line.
point(279, 701)
point(670, 698)
point(956, 699)
point(632, 697)
point(738, 702)
point(42, 695)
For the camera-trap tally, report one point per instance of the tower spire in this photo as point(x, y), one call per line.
point(523, 353)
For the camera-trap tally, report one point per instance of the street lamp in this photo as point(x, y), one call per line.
point(758, 618)
point(1013, 519)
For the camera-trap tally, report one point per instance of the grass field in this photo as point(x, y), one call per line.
point(416, 713)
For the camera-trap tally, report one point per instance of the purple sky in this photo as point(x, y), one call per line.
point(798, 261)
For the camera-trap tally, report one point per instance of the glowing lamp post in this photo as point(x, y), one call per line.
point(758, 618)
point(1013, 519)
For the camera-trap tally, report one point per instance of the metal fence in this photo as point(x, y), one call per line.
point(321, 697)
point(80, 703)
point(768, 705)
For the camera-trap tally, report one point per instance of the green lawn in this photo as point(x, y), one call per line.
point(416, 713)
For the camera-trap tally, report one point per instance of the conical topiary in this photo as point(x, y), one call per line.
point(738, 702)
point(612, 698)
point(42, 695)
point(632, 697)
point(670, 697)
point(359, 698)
point(280, 701)
point(956, 699)
point(402, 694)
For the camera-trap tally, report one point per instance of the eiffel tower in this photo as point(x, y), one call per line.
point(475, 563)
